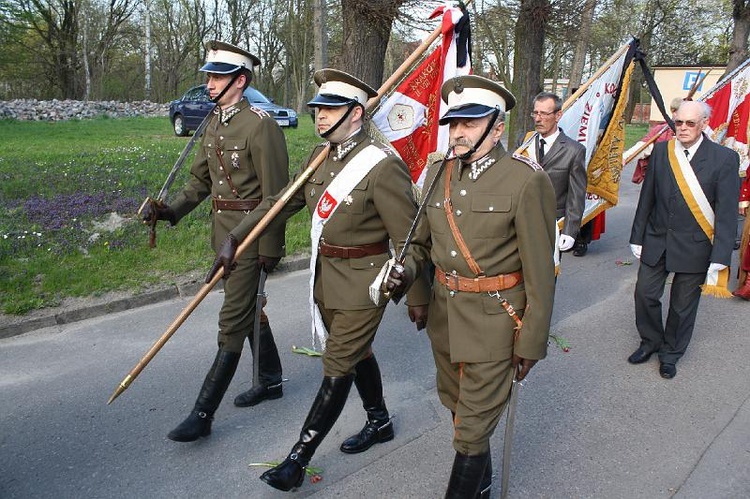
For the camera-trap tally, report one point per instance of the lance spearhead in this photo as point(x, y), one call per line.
point(124, 384)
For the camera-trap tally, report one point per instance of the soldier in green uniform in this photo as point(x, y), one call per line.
point(490, 222)
point(242, 158)
point(360, 198)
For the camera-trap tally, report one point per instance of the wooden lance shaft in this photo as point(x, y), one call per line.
point(266, 220)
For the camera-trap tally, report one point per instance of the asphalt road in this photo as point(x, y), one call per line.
point(589, 425)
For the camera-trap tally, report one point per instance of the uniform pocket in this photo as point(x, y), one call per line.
point(493, 213)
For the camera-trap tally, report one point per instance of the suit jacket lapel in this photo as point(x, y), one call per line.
point(556, 148)
point(700, 159)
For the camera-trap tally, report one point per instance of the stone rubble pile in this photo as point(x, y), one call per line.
point(58, 110)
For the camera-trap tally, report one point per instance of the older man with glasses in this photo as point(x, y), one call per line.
point(563, 159)
point(685, 223)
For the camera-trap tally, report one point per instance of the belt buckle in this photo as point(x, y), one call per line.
point(455, 278)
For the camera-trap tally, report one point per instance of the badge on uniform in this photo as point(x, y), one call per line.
point(235, 160)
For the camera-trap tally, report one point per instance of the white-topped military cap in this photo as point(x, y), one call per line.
point(225, 58)
point(337, 88)
point(474, 96)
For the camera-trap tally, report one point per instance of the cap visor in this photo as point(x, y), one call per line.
point(221, 68)
point(467, 111)
point(330, 101)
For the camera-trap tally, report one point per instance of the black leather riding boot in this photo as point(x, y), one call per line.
point(269, 370)
point(486, 485)
point(466, 476)
point(323, 414)
point(198, 423)
point(379, 427)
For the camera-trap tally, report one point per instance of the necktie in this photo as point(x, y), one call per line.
point(687, 154)
point(541, 149)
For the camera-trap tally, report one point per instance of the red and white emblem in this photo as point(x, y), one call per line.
point(326, 205)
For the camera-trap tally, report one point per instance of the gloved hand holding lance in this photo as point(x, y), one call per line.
point(154, 209)
point(214, 277)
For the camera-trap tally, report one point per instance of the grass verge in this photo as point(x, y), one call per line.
point(68, 196)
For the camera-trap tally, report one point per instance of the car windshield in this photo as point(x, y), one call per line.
point(254, 95)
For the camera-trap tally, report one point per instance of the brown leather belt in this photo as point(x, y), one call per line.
point(234, 204)
point(360, 251)
point(478, 284)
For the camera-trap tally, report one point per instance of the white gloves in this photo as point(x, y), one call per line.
point(565, 242)
point(643, 154)
point(718, 267)
point(636, 250)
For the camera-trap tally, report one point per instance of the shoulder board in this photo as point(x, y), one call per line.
point(387, 149)
point(528, 161)
point(261, 113)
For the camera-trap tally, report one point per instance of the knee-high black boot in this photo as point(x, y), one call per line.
point(269, 370)
point(323, 414)
point(486, 485)
point(466, 476)
point(379, 427)
point(198, 423)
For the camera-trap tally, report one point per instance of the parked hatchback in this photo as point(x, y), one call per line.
point(187, 112)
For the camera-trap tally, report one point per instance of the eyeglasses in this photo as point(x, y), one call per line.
point(534, 114)
point(688, 123)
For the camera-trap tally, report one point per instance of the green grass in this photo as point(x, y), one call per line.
point(633, 133)
point(58, 179)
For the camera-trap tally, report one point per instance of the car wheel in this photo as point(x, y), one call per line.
point(179, 126)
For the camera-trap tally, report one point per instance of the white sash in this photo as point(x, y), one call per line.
point(695, 187)
point(716, 281)
point(352, 174)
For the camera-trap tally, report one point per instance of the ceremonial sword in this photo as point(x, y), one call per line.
point(256, 325)
point(178, 164)
point(399, 265)
point(508, 440)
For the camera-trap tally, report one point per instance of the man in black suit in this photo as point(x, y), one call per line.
point(563, 159)
point(669, 236)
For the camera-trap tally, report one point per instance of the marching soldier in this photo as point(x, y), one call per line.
point(242, 158)
point(359, 198)
point(491, 224)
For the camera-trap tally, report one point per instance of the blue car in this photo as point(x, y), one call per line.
point(187, 112)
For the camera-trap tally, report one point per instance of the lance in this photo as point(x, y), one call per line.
point(178, 164)
point(266, 220)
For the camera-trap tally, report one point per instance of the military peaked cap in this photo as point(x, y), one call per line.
point(340, 89)
point(225, 58)
point(473, 96)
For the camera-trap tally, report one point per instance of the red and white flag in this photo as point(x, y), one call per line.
point(730, 106)
point(409, 116)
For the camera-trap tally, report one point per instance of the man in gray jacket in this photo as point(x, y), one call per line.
point(563, 159)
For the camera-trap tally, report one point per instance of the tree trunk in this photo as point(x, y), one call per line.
point(367, 28)
point(738, 47)
point(582, 46)
point(527, 68)
point(321, 34)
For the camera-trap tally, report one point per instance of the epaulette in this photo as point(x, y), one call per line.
point(261, 113)
point(529, 162)
point(388, 150)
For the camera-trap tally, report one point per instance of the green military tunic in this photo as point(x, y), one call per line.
point(253, 165)
point(380, 207)
point(505, 211)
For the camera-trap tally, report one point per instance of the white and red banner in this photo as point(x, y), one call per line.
point(595, 119)
point(730, 106)
point(409, 116)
